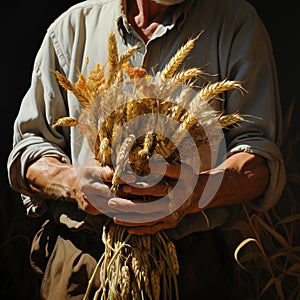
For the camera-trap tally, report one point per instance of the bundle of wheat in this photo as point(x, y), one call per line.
point(129, 117)
point(136, 267)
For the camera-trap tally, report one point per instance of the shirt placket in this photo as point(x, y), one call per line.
point(132, 38)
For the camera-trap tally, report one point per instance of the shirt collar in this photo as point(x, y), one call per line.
point(121, 18)
point(179, 15)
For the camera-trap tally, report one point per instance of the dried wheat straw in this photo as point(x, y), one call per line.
point(214, 89)
point(68, 85)
point(65, 121)
point(134, 267)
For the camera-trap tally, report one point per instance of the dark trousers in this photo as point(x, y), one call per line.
point(65, 260)
point(206, 267)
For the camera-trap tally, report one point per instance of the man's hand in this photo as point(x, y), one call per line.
point(87, 185)
point(241, 177)
point(94, 182)
point(160, 209)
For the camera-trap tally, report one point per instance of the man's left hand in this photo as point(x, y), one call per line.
point(149, 217)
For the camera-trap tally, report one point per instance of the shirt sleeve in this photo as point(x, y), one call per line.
point(34, 135)
point(251, 62)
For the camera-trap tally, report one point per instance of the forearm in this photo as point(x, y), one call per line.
point(245, 177)
point(52, 179)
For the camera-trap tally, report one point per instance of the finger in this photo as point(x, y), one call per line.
point(170, 169)
point(127, 178)
point(99, 204)
point(153, 227)
point(96, 189)
point(143, 189)
point(95, 172)
point(93, 199)
point(104, 173)
point(138, 206)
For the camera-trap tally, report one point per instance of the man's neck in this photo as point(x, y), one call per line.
point(145, 16)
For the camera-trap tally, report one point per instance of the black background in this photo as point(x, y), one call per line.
point(24, 24)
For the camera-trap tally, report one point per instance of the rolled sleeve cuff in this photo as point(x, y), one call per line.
point(275, 162)
point(17, 171)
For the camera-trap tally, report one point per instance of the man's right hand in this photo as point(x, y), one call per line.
point(94, 182)
point(88, 185)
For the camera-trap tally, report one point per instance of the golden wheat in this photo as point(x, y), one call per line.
point(69, 86)
point(146, 267)
point(214, 89)
point(65, 121)
point(177, 60)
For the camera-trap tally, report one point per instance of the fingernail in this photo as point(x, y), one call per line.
point(112, 203)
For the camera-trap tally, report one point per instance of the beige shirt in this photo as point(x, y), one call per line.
point(234, 45)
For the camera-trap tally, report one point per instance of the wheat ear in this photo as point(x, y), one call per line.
point(69, 86)
point(124, 57)
point(214, 89)
point(121, 159)
point(65, 121)
point(186, 75)
point(230, 119)
point(178, 58)
point(112, 61)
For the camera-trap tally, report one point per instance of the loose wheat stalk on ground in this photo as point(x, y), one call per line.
point(267, 246)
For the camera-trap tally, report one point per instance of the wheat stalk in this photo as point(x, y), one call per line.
point(132, 266)
point(121, 159)
point(177, 60)
point(230, 119)
point(214, 89)
point(127, 272)
point(124, 57)
point(69, 86)
point(65, 121)
point(112, 61)
point(184, 76)
point(82, 86)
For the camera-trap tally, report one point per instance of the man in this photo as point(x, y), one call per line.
point(44, 162)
